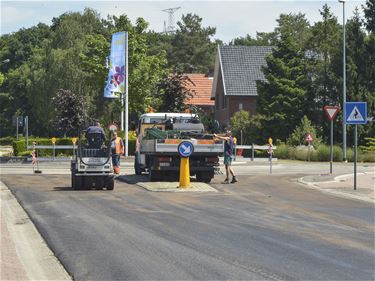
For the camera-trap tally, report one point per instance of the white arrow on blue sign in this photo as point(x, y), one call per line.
point(355, 112)
point(185, 148)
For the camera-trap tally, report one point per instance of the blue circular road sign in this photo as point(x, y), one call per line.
point(185, 148)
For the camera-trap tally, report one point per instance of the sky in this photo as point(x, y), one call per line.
point(231, 18)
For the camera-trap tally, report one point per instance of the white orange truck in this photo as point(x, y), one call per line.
point(158, 137)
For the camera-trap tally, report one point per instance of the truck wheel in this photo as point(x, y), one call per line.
point(137, 169)
point(153, 175)
point(110, 183)
point(204, 177)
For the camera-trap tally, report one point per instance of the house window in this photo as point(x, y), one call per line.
point(240, 106)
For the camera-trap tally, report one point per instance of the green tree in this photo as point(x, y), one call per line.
point(369, 11)
point(192, 48)
point(300, 132)
point(261, 39)
point(358, 69)
point(327, 59)
point(283, 98)
point(240, 123)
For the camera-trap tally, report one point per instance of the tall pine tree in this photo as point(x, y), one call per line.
point(283, 97)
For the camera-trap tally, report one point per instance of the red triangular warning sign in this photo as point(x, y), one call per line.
point(331, 111)
point(309, 138)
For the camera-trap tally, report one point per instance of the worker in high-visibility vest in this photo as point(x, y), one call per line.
point(117, 148)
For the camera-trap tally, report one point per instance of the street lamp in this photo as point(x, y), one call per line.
point(344, 82)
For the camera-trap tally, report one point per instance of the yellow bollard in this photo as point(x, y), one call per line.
point(184, 172)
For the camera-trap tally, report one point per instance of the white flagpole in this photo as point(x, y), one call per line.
point(126, 95)
point(122, 111)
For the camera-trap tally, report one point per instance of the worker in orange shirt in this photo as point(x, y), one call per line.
point(117, 148)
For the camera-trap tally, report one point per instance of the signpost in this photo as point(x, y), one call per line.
point(53, 140)
point(331, 112)
point(185, 149)
point(74, 141)
point(309, 139)
point(355, 113)
point(18, 122)
point(270, 151)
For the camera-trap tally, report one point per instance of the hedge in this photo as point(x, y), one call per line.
point(6, 140)
point(321, 153)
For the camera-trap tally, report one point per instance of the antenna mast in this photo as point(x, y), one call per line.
point(170, 28)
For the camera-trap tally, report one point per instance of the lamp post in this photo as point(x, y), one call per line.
point(344, 82)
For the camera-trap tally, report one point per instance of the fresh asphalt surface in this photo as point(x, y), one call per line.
point(263, 228)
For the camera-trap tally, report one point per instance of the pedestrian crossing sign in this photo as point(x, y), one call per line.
point(355, 112)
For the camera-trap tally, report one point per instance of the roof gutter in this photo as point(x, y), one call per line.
point(222, 70)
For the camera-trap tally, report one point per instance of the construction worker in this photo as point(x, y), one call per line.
point(228, 155)
point(117, 148)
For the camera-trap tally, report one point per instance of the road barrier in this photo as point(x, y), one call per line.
point(253, 147)
point(53, 147)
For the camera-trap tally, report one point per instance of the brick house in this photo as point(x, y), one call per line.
point(237, 68)
point(202, 88)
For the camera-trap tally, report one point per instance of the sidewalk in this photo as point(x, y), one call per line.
point(343, 185)
point(24, 254)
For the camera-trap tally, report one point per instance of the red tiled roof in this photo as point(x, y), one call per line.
point(202, 89)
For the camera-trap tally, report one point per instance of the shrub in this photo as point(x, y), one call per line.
point(322, 153)
point(370, 145)
point(282, 151)
point(292, 151)
point(369, 157)
point(18, 147)
point(300, 132)
point(337, 153)
point(25, 153)
point(350, 154)
point(6, 140)
point(303, 153)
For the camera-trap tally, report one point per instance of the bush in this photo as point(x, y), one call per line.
point(18, 147)
point(370, 145)
point(292, 151)
point(282, 151)
point(337, 153)
point(322, 153)
point(300, 132)
point(6, 140)
point(302, 153)
point(369, 157)
point(25, 153)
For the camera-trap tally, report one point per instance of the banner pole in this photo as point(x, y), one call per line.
point(122, 111)
point(126, 95)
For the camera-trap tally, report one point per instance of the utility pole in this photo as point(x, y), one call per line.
point(344, 82)
point(170, 28)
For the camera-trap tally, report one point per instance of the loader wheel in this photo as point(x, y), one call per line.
point(110, 183)
point(76, 182)
point(137, 169)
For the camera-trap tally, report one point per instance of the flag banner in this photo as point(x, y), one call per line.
point(115, 84)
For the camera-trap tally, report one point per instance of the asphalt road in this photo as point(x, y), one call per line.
point(263, 228)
